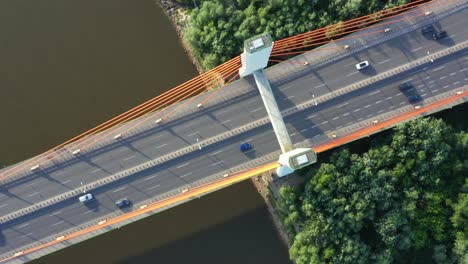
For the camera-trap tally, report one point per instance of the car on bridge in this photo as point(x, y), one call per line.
point(86, 198)
point(414, 98)
point(122, 203)
point(362, 65)
point(439, 35)
point(245, 146)
point(406, 86)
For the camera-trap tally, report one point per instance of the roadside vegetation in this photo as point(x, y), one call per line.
point(405, 200)
point(217, 28)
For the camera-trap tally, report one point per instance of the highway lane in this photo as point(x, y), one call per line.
point(383, 96)
point(402, 49)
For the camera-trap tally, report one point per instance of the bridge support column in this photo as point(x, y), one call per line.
point(254, 59)
point(273, 111)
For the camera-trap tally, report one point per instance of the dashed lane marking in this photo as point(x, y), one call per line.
point(153, 187)
point(185, 175)
point(32, 194)
point(150, 177)
point(382, 62)
point(183, 165)
point(119, 189)
point(216, 163)
point(440, 68)
point(21, 226)
point(357, 110)
point(160, 146)
point(255, 110)
point(193, 134)
point(216, 153)
point(131, 157)
point(58, 223)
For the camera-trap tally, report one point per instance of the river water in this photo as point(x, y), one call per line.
point(68, 65)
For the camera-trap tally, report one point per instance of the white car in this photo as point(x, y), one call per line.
point(85, 198)
point(362, 65)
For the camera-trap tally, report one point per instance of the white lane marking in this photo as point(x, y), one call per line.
point(367, 106)
point(183, 165)
point(359, 119)
point(27, 235)
point(408, 80)
point(32, 194)
point(287, 87)
point(357, 110)
point(419, 86)
point(423, 94)
point(88, 212)
point(216, 163)
point(380, 111)
point(289, 97)
point(378, 102)
point(402, 103)
point(398, 94)
point(416, 49)
point(432, 86)
point(314, 126)
point(335, 118)
point(349, 123)
point(464, 69)
point(369, 115)
point(309, 117)
point(131, 157)
point(391, 107)
point(255, 110)
point(388, 98)
point(150, 177)
point(56, 213)
point(25, 225)
point(453, 73)
point(451, 36)
point(3, 205)
point(338, 127)
point(160, 146)
point(216, 153)
point(376, 92)
point(119, 189)
point(66, 182)
point(342, 105)
point(193, 134)
point(249, 139)
point(440, 68)
point(431, 82)
point(435, 90)
point(185, 175)
point(227, 121)
point(153, 187)
point(349, 74)
point(303, 130)
point(293, 134)
point(95, 170)
point(446, 86)
point(324, 122)
point(466, 79)
point(427, 78)
point(455, 83)
point(382, 62)
point(323, 84)
point(58, 223)
point(443, 77)
point(346, 114)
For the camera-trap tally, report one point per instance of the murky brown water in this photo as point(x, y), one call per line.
point(68, 65)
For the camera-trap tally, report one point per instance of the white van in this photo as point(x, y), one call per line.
point(85, 198)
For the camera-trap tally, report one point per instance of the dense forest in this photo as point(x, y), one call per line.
point(405, 200)
point(218, 28)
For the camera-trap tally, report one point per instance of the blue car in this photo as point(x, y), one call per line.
point(245, 146)
point(123, 203)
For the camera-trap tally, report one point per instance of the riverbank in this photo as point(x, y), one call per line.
point(178, 15)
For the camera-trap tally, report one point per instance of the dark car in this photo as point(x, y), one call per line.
point(427, 29)
point(405, 86)
point(122, 203)
point(245, 146)
point(414, 98)
point(439, 35)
